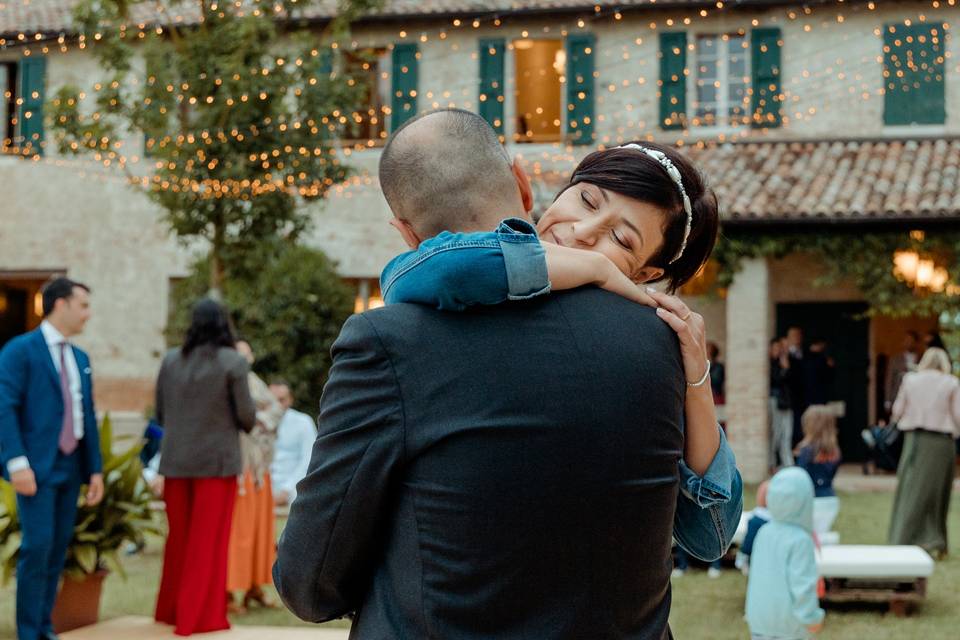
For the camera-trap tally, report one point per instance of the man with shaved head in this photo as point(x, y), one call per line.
point(490, 473)
point(447, 171)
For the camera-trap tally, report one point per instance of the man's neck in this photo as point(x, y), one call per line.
point(56, 324)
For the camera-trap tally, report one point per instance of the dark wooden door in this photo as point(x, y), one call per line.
point(848, 336)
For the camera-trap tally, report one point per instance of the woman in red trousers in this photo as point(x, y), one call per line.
point(203, 402)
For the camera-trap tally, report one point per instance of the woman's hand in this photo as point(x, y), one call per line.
point(569, 268)
point(702, 435)
point(691, 330)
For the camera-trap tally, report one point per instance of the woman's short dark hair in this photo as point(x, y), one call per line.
point(209, 324)
point(56, 289)
point(634, 174)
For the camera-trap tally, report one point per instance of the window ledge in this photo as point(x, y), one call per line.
point(713, 131)
point(906, 130)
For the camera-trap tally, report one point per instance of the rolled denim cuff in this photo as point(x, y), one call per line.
point(524, 259)
point(715, 487)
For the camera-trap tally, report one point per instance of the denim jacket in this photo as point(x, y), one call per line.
point(453, 271)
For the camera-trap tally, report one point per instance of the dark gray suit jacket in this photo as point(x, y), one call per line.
point(203, 401)
point(504, 472)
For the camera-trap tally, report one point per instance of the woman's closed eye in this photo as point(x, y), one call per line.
point(587, 201)
point(620, 240)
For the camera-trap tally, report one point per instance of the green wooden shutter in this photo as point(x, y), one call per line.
point(913, 73)
point(766, 100)
point(491, 81)
point(403, 84)
point(30, 116)
point(326, 60)
point(580, 49)
point(673, 80)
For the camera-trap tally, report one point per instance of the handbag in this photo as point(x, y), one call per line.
point(886, 444)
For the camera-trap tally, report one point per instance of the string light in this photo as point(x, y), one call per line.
point(622, 117)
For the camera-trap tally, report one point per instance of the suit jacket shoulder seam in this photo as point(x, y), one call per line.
point(396, 382)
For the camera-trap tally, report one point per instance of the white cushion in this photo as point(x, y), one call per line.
point(741, 532)
point(830, 538)
point(873, 561)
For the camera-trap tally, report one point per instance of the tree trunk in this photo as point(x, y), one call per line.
point(216, 265)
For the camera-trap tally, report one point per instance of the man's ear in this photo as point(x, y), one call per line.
point(523, 183)
point(409, 236)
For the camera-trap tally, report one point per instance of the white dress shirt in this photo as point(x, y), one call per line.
point(291, 459)
point(54, 339)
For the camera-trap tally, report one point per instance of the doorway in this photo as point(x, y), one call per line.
point(21, 304)
point(847, 333)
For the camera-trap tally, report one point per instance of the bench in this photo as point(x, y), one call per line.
point(896, 575)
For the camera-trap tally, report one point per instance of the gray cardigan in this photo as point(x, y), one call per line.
point(203, 400)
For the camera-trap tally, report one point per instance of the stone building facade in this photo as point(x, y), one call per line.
point(785, 105)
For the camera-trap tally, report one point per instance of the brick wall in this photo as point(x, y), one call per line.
point(748, 369)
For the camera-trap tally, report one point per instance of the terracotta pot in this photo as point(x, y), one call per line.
point(78, 602)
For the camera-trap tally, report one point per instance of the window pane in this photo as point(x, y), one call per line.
point(538, 67)
point(706, 70)
point(367, 67)
point(706, 46)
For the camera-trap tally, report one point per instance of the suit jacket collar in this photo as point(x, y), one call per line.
point(43, 349)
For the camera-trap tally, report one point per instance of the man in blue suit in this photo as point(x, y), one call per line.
point(49, 446)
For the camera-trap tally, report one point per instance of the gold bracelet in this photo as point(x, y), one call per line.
point(701, 381)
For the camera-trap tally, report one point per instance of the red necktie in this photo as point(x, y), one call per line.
point(68, 439)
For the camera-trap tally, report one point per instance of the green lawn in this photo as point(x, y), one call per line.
point(702, 608)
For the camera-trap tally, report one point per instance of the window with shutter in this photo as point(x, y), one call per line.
point(30, 117)
point(913, 74)
point(673, 80)
point(766, 100)
point(580, 82)
point(403, 84)
point(490, 98)
point(8, 103)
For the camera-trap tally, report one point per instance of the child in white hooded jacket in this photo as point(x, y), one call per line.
point(782, 599)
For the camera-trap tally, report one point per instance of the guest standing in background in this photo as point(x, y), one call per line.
point(900, 365)
point(819, 369)
point(927, 410)
point(295, 437)
point(781, 414)
point(252, 539)
point(796, 380)
point(49, 446)
point(718, 373)
point(203, 402)
point(932, 340)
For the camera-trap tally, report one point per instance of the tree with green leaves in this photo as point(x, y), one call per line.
point(290, 309)
point(235, 108)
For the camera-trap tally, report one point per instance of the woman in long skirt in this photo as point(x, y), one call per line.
point(927, 410)
point(203, 402)
point(252, 539)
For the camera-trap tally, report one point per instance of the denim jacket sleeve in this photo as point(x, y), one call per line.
point(709, 507)
point(457, 270)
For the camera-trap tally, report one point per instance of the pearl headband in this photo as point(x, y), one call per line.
point(674, 174)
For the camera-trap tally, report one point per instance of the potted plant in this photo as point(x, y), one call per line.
point(122, 516)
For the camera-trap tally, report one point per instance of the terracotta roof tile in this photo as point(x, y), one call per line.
point(821, 180)
point(54, 16)
point(834, 179)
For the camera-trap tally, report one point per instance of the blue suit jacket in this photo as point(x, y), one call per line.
point(31, 407)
